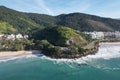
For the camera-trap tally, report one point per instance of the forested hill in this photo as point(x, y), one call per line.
point(85, 22)
point(18, 20)
point(12, 21)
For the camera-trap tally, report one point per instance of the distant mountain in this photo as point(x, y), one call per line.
point(26, 22)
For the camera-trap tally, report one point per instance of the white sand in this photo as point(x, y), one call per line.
point(110, 43)
point(18, 53)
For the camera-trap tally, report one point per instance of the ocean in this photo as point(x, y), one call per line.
point(104, 65)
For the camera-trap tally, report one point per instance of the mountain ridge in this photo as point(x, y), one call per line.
point(26, 22)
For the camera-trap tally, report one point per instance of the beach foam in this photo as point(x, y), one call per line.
point(106, 51)
point(12, 55)
point(5, 59)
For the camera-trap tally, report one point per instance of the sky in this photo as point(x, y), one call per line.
point(103, 8)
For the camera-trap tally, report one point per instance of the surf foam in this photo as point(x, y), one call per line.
point(106, 51)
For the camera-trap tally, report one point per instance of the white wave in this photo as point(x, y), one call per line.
point(105, 52)
point(5, 59)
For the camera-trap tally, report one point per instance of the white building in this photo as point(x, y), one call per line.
point(25, 36)
point(19, 36)
point(117, 34)
point(95, 35)
point(13, 36)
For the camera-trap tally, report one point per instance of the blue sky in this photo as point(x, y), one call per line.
point(104, 8)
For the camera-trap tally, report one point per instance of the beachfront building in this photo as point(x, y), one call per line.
point(117, 34)
point(103, 35)
point(14, 36)
point(95, 35)
point(25, 36)
point(109, 35)
point(19, 36)
point(11, 36)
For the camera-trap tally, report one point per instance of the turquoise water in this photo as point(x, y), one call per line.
point(93, 67)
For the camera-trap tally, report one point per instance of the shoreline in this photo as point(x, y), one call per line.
point(34, 52)
point(18, 53)
point(75, 56)
point(109, 43)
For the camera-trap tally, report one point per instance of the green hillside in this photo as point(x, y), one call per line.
point(5, 27)
point(60, 42)
point(42, 19)
point(85, 22)
point(27, 22)
point(18, 20)
point(59, 36)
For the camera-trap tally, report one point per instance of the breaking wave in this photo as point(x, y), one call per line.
point(105, 52)
point(5, 59)
point(101, 60)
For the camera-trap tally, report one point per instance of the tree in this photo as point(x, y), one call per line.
point(81, 50)
point(73, 49)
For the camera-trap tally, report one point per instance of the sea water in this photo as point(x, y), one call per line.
point(104, 65)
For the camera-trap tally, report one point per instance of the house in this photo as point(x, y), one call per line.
point(11, 36)
point(95, 35)
point(25, 36)
point(19, 36)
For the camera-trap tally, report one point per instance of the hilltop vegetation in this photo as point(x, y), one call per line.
point(60, 41)
point(59, 35)
point(84, 22)
point(26, 22)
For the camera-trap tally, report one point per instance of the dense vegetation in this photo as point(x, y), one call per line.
point(6, 28)
point(26, 22)
point(17, 20)
point(49, 34)
point(60, 41)
point(15, 44)
point(59, 36)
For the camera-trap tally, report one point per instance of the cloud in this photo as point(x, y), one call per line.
point(42, 4)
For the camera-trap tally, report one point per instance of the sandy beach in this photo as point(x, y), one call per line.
point(32, 52)
point(18, 53)
point(110, 43)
